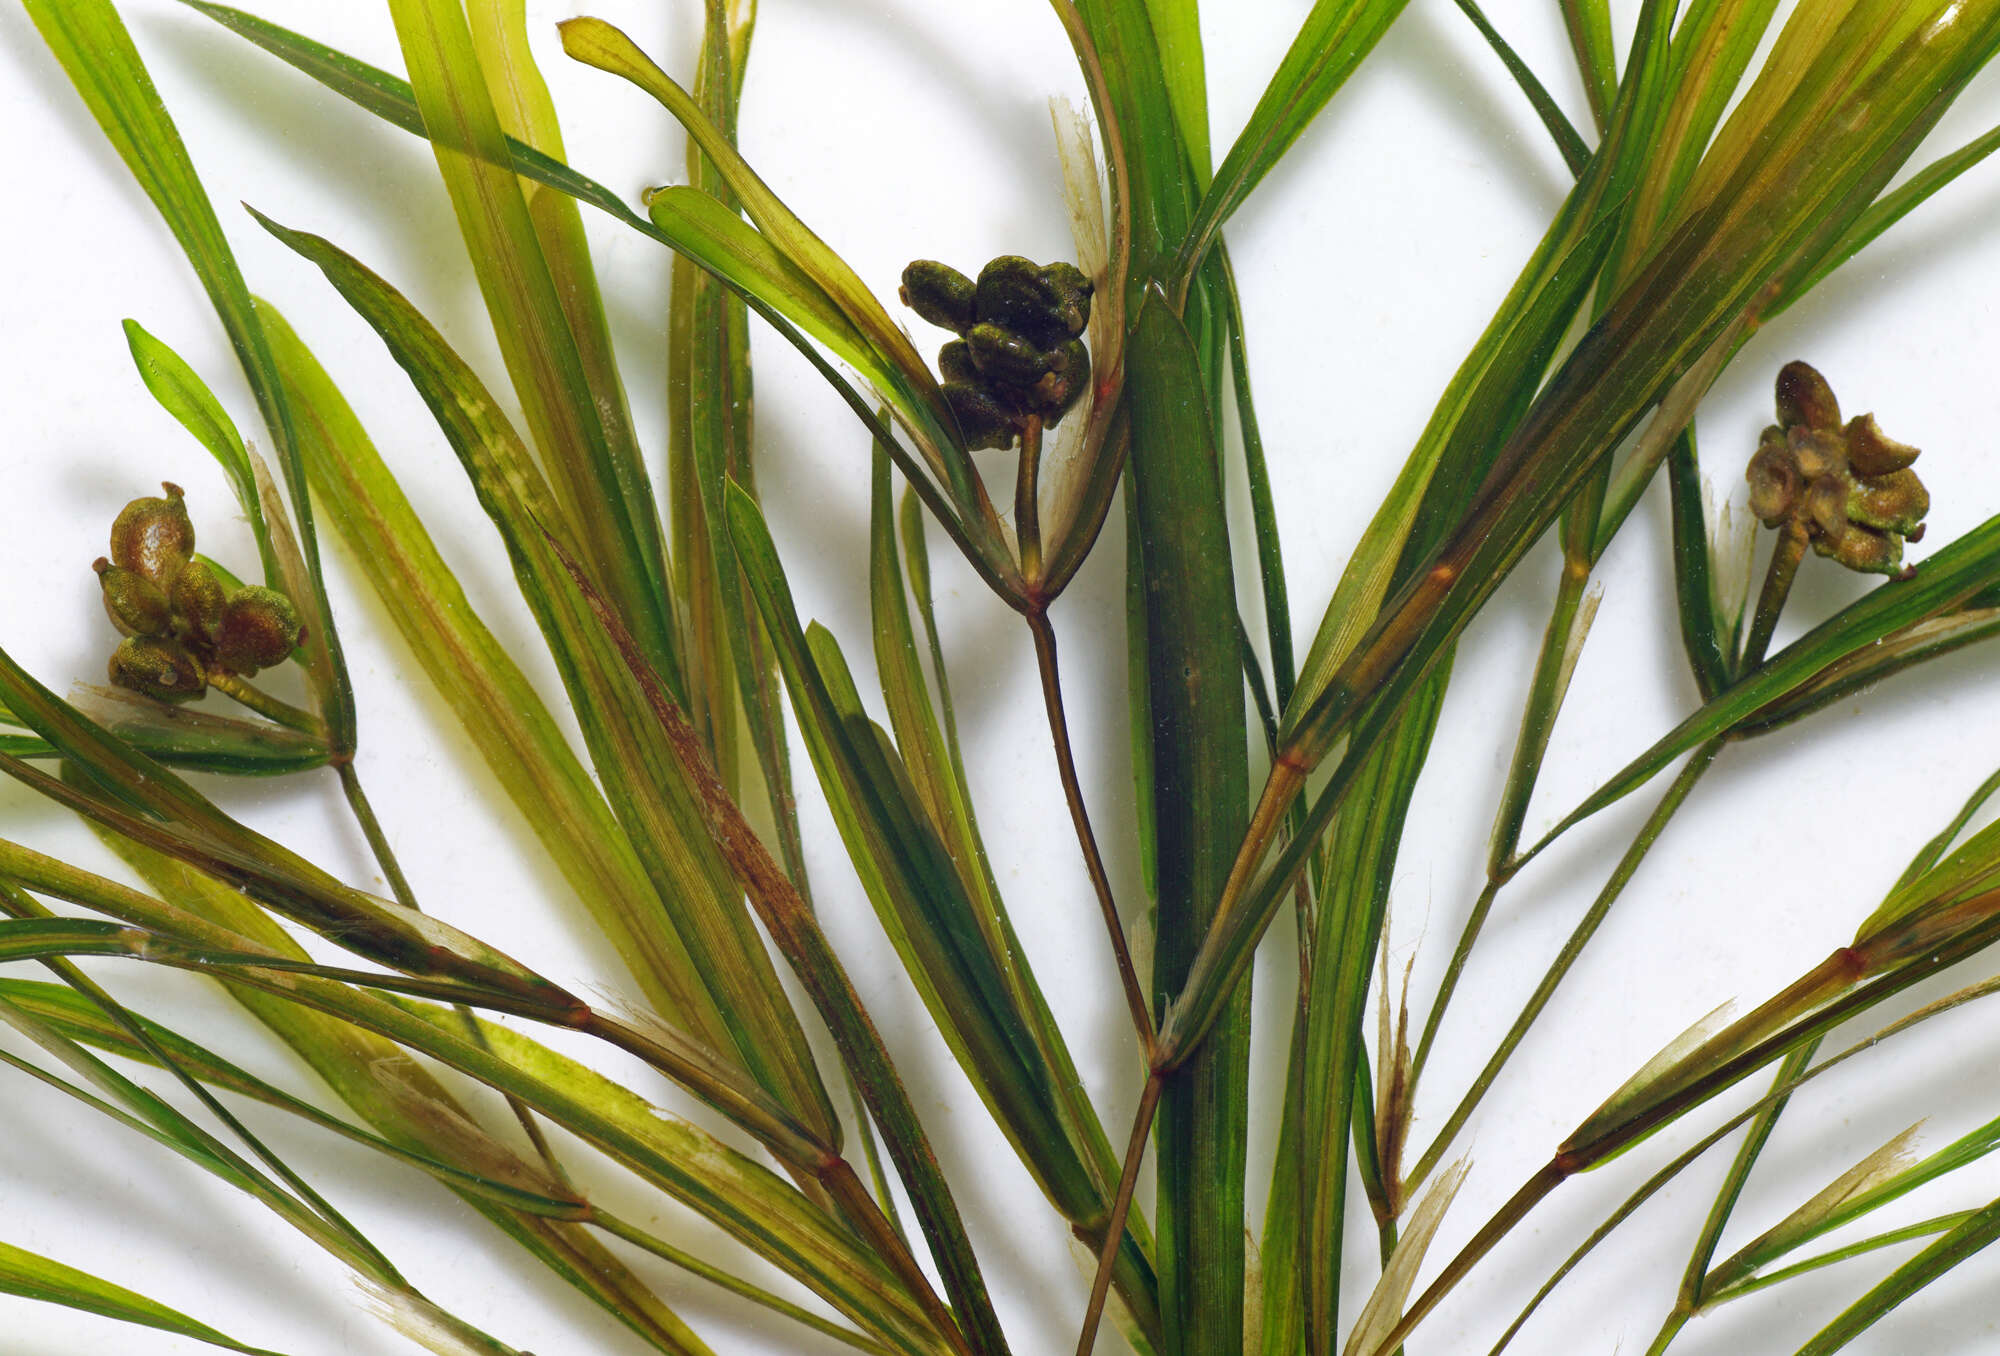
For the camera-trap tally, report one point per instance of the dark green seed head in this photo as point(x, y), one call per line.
point(955, 363)
point(1005, 357)
point(981, 421)
point(157, 668)
point(1017, 295)
point(939, 294)
point(153, 537)
point(1068, 378)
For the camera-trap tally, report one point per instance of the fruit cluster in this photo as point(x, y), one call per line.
point(1850, 487)
point(181, 624)
point(1019, 355)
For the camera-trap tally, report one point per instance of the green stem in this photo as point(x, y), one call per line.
point(1562, 639)
point(1908, 1233)
point(1579, 938)
point(1028, 502)
point(708, 1271)
point(378, 841)
point(1791, 549)
point(399, 884)
point(246, 693)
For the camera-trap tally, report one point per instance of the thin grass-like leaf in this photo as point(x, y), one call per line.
point(592, 465)
point(641, 777)
point(97, 54)
point(1977, 1233)
point(1331, 43)
point(32, 1276)
point(185, 396)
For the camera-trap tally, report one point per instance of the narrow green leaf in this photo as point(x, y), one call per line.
point(197, 741)
point(928, 752)
point(1968, 1240)
point(912, 389)
point(641, 777)
point(178, 820)
point(797, 933)
point(506, 1180)
point(35, 1277)
point(1360, 862)
point(1332, 42)
point(495, 704)
point(1177, 30)
point(1574, 153)
point(725, 1186)
point(526, 112)
point(185, 396)
point(1589, 26)
point(1893, 206)
point(1694, 582)
point(96, 52)
point(1935, 589)
point(391, 99)
point(393, 1092)
point(1200, 803)
point(594, 468)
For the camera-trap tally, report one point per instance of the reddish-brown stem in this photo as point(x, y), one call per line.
point(1121, 1206)
point(1135, 993)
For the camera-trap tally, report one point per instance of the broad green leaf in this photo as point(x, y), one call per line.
point(32, 1276)
point(97, 54)
point(185, 396)
point(1200, 802)
point(586, 448)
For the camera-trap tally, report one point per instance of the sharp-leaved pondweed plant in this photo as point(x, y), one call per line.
point(863, 1026)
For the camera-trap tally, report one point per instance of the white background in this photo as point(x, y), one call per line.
point(1369, 263)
